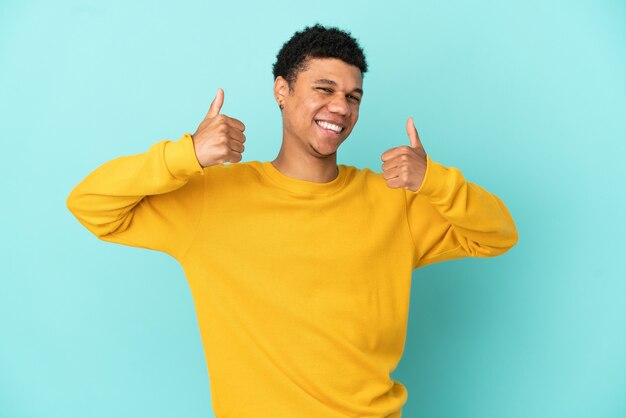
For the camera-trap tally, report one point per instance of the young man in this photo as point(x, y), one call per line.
point(300, 268)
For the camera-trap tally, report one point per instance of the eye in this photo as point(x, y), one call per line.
point(354, 98)
point(326, 89)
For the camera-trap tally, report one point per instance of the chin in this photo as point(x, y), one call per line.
point(325, 150)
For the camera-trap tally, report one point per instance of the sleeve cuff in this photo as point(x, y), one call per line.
point(436, 179)
point(180, 157)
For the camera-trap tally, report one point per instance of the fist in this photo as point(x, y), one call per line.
point(219, 138)
point(405, 166)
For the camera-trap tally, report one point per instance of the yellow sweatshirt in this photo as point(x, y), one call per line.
point(301, 288)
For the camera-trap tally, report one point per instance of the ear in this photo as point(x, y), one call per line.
point(280, 89)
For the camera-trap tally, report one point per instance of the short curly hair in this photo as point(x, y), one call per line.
point(317, 42)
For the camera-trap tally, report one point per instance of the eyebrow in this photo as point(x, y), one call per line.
point(332, 83)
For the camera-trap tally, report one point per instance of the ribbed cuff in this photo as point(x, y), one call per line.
point(436, 179)
point(180, 157)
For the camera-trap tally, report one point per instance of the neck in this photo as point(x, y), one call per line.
point(301, 165)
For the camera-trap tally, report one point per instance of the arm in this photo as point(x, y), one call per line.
point(154, 200)
point(451, 218)
point(150, 200)
point(447, 216)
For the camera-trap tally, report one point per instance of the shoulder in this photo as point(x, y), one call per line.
point(232, 175)
point(371, 181)
point(244, 168)
point(364, 175)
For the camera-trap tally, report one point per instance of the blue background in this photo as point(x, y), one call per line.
point(526, 98)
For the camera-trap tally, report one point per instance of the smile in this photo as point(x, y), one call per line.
point(329, 126)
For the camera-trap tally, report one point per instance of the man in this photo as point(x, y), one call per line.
point(300, 268)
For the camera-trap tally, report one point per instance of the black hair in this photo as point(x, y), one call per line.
point(317, 42)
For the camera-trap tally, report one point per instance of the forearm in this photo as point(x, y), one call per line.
point(469, 220)
point(104, 201)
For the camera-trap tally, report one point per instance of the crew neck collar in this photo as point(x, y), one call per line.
point(304, 186)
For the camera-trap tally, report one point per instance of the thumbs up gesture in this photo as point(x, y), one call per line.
point(219, 138)
point(405, 166)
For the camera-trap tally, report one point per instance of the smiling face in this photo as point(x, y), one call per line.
point(323, 107)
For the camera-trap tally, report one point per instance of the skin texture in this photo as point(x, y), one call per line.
point(308, 151)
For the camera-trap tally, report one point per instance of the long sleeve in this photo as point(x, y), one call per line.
point(150, 200)
point(451, 218)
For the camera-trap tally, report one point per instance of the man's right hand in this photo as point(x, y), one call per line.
point(219, 138)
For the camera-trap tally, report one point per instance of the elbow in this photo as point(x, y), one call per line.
point(513, 237)
point(506, 240)
point(494, 244)
point(72, 204)
point(509, 236)
point(82, 214)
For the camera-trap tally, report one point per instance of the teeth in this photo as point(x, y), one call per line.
point(330, 126)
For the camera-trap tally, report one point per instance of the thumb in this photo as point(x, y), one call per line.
point(412, 133)
point(216, 104)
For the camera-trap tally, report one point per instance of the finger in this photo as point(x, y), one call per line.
point(235, 123)
point(234, 156)
point(236, 146)
point(236, 134)
point(388, 155)
point(391, 173)
point(216, 104)
point(412, 133)
point(392, 153)
point(391, 163)
point(396, 183)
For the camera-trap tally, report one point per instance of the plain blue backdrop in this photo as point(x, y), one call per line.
point(526, 98)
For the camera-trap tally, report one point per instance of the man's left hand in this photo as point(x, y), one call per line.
point(405, 166)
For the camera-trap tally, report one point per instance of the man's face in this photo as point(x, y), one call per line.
point(323, 107)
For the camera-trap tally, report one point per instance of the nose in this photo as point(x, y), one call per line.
point(339, 104)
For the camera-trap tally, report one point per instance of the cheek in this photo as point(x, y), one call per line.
point(311, 105)
point(355, 115)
